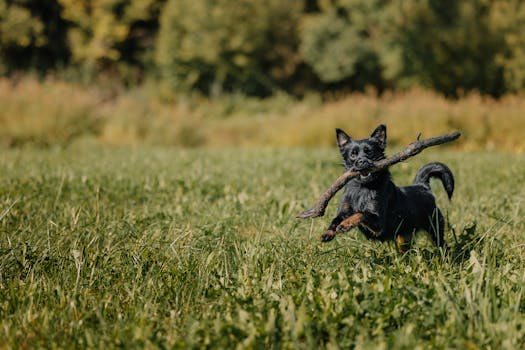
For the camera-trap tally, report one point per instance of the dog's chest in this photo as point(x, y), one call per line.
point(363, 199)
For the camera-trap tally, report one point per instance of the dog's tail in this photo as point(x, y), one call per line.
point(438, 170)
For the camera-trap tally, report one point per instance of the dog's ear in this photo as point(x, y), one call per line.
point(380, 135)
point(342, 138)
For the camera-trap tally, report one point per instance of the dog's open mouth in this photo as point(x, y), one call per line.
point(364, 175)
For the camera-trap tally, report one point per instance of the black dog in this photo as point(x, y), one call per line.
point(381, 210)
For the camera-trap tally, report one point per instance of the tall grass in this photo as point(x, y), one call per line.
point(55, 112)
point(162, 248)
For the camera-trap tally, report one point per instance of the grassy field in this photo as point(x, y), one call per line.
point(160, 248)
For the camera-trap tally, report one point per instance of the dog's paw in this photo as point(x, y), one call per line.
point(328, 236)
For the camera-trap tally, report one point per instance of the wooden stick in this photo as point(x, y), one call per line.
point(411, 150)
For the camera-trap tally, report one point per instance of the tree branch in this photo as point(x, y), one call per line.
point(411, 150)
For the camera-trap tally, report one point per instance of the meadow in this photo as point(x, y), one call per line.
point(156, 247)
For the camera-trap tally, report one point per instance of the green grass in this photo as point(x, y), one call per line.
point(162, 248)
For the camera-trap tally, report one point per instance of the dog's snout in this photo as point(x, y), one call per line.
point(362, 162)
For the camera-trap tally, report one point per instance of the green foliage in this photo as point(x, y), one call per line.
point(507, 18)
point(102, 32)
point(343, 41)
point(32, 35)
point(157, 248)
point(265, 47)
point(228, 45)
point(450, 46)
point(19, 27)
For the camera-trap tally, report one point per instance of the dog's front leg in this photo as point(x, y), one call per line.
point(344, 212)
point(350, 222)
point(331, 230)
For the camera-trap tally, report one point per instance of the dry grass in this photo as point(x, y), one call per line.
point(55, 112)
point(46, 113)
point(485, 122)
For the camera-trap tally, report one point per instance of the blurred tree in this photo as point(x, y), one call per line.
point(31, 36)
point(111, 35)
point(507, 20)
point(449, 46)
point(259, 47)
point(18, 26)
point(343, 42)
point(229, 45)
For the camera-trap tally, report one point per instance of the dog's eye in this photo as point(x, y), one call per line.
point(353, 154)
point(367, 150)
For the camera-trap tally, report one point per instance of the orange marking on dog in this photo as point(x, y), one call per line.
point(351, 221)
point(403, 243)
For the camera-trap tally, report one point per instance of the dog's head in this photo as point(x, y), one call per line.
point(361, 154)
